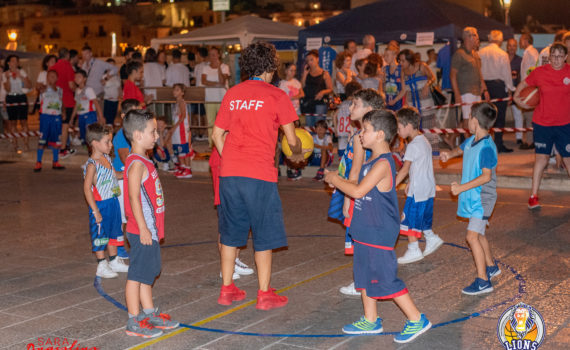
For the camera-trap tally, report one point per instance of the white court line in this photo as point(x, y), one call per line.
point(281, 339)
point(239, 330)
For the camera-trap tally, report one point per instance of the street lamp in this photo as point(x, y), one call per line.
point(507, 6)
point(12, 37)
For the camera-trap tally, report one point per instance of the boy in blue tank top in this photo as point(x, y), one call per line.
point(478, 192)
point(374, 229)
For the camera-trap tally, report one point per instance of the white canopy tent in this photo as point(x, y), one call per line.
point(243, 30)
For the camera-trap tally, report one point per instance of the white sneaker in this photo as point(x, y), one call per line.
point(349, 290)
point(104, 271)
point(242, 268)
point(236, 275)
point(410, 256)
point(432, 244)
point(118, 265)
point(164, 166)
point(76, 141)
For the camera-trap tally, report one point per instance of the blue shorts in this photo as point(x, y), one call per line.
point(416, 217)
point(250, 203)
point(110, 228)
point(376, 271)
point(315, 159)
point(110, 109)
point(546, 136)
point(50, 128)
point(161, 154)
point(85, 120)
point(181, 150)
point(145, 262)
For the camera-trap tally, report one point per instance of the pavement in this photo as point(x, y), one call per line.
point(49, 294)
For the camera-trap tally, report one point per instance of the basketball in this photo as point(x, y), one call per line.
point(306, 142)
point(530, 96)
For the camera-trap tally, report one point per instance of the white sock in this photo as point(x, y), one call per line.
point(429, 234)
point(414, 245)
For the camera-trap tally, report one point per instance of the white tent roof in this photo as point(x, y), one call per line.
point(243, 30)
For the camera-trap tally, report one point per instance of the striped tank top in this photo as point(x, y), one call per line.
point(106, 185)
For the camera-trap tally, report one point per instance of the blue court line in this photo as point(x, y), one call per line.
point(518, 277)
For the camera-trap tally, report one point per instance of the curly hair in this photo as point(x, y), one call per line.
point(259, 58)
point(339, 61)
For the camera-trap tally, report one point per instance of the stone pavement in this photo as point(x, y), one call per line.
point(47, 291)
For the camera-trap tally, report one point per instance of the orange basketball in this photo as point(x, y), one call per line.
point(530, 96)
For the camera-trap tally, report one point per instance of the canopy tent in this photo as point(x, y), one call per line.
point(401, 20)
point(243, 30)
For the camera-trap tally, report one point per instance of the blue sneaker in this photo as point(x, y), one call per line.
point(363, 326)
point(413, 329)
point(493, 271)
point(479, 286)
point(122, 252)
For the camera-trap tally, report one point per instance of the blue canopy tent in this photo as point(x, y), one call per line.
point(401, 20)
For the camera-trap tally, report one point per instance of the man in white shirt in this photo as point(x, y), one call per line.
point(496, 71)
point(368, 47)
point(529, 61)
point(177, 73)
point(96, 69)
point(201, 62)
point(215, 77)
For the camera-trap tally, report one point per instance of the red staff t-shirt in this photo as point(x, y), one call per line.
point(554, 89)
point(65, 74)
point(131, 91)
point(252, 112)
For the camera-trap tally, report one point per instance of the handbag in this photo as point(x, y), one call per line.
point(437, 96)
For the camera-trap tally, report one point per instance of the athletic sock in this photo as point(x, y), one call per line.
point(112, 257)
point(99, 260)
point(40, 154)
point(414, 245)
point(55, 152)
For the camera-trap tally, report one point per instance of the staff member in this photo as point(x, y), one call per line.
point(251, 114)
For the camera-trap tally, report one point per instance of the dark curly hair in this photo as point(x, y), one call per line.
point(258, 58)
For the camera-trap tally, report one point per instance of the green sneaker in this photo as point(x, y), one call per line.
point(413, 329)
point(140, 327)
point(363, 326)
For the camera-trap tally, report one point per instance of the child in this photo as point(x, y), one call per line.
point(341, 121)
point(87, 107)
point(161, 153)
point(375, 231)
point(363, 102)
point(322, 154)
point(130, 89)
point(392, 79)
point(145, 227)
point(478, 192)
point(101, 190)
point(180, 134)
point(420, 191)
point(112, 90)
point(292, 86)
point(50, 121)
point(121, 150)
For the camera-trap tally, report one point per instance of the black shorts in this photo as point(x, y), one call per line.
point(17, 107)
point(144, 260)
point(66, 117)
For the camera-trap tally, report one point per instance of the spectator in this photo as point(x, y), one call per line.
point(566, 41)
point(360, 64)
point(17, 84)
point(432, 63)
point(515, 61)
point(177, 73)
point(66, 81)
point(128, 53)
point(444, 64)
point(192, 67)
point(130, 88)
point(373, 72)
point(154, 72)
point(112, 92)
point(317, 84)
point(496, 71)
point(292, 86)
point(368, 47)
point(215, 77)
point(344, 74)
point(201, 62)
point(95, 69)
point(74, 60)
point(545, 53)
point(392, 80)
point(350, 46)
point(529, 60)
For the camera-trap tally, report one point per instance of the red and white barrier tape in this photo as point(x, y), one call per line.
point(505, 99)
point(14, 135)
point(16, 104)
point(465, 131)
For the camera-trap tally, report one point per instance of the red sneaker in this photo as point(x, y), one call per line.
point(269, 300)
point(57, 166)
point(229, 294)
point(186, 173)
point(533, 202)
point(38, 167)
point(348, 248)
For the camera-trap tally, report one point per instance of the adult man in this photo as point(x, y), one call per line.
point(177, 73)
point(515, 61)
point(96, 69)
point(128, 53)
point(368, 47)
point(465, 76)
point(65, 80)
point(496, 70)
point(350, 46)
point(529, 61)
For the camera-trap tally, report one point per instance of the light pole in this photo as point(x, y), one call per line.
point(507, 6)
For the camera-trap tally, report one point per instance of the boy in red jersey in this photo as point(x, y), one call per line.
point(144, 208)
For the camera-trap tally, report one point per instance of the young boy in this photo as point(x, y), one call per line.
point(363, 102)
point(50, 121)
point(101, 190)
point(135, 73)
point(122, 148)
point(478, 192)
point(87, 107)
point(341, 121)
point(322, 154)
point(144, 207)
point(181, 136)
point(161, 152)
point(417, 216)
point(375, 226)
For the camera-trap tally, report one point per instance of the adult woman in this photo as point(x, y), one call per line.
point(419, 78)
point(215, 77)
point(551, 118)
point(17, 84)
point(154, 72)
point(161, 59)
point(344, 74)
point(372, 69)
point(317, 84)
